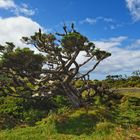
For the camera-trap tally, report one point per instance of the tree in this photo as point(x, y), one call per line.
point(61, 67)
point(18, 70)
point(136, 73)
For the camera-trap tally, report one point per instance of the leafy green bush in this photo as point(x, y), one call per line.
point(10, 111)
point(104, 126)
point(33, 115)
point(15, 111)
point(129, 111)
point(60, 101)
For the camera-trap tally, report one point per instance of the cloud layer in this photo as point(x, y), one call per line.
point(14, 28)
point(6, 4)
point(122, 60)
point(107, 22)
point(134, 8)
point(22, 9)
point(97, 19)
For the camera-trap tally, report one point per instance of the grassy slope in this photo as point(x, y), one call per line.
point(133, 92)
point(98, 123)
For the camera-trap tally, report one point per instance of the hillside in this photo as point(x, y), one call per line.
point(119, 122)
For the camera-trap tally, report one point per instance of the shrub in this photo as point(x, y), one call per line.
point(33, 115)
point(104, 127)
point(15, 111)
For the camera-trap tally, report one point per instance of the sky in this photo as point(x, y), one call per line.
point(113, 25)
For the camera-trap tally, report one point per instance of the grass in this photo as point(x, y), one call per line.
point(42, 132)
point(93, 123)
point(132, 92)
point(74, 125)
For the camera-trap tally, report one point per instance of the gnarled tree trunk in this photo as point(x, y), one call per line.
point(72, 95)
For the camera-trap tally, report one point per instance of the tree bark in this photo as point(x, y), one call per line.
point(72, 95)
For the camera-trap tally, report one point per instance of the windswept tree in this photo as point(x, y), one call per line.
point(61, 67)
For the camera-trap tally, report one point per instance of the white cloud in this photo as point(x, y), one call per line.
point(6, 4)
point(97, 19)
point(117, 39)
point(22, 9)
point(108, 19)
point(89, 21)
point(109, 23)
point(134, 45)
point(16, 27)
point(134, 8)
point(122, 60)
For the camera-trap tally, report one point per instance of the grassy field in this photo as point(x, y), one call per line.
point(133, 92)
point(121, 122)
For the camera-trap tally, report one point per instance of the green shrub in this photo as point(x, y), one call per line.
point(78, 83)
point(33, 115)
point(104, 127)
point(15, 111)
point(10, 111)
point(129, 111)
point(60, 101)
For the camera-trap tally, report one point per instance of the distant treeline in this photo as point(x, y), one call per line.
point(124, 81)
point(116, 81)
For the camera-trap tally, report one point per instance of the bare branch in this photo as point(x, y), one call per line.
point(85, 62)
point(89, 70)
point(72, 59)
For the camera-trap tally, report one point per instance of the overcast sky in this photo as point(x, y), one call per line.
point(113, 25)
